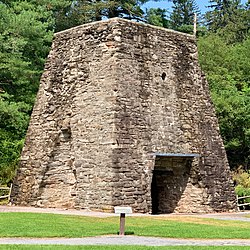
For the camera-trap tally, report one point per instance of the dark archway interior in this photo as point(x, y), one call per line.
point(170, 178)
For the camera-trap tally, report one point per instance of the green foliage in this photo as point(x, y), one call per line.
point(182, 17)
point(229, 19)
point(157, 17)
point(25, 37)
point(224, 56)
point(78, 12)
point(59, 11)
point(242, 180)
point(25, 41)
point(227, 69)
point(242, 191)
point(221, 13)
point(13, 126)
point(130, 9)
point(4, 192)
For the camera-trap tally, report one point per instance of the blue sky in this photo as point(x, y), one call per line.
point(167, 5)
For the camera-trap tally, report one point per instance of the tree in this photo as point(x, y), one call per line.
point(59, 10)
point(224, 56)
point(222, 12)
point(85, 11)
point(182, 17)
point(227, 69)
point(25, 36)
point(157, 17)
point(229, 19)
point(13, 125)
point(130, 9)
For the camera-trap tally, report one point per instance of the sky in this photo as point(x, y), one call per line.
point(167, 5)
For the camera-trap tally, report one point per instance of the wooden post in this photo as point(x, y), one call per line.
point(122, 224)
point(122, 211)
point(195, 24)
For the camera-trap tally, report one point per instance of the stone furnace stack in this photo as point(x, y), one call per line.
point(123, 117)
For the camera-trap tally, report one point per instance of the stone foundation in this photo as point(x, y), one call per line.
point(120, 109)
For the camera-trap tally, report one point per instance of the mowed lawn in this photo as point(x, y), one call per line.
point(54, 225)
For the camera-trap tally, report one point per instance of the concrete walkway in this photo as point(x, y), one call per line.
point(124, 240)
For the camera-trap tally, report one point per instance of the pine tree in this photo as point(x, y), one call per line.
point(183, 14)
point(85, 11)
point(25, 36)
point(221, 13)
point(130, 9)
point(157, 17)
point(229, 19)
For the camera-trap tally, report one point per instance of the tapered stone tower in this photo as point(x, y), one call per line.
point(123, 116)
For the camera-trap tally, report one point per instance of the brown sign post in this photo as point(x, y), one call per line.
point(122, 211)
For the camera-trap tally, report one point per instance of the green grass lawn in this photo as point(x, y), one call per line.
point(53, 247)
point(53, 225)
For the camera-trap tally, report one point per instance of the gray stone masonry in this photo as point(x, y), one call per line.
point(114, 94)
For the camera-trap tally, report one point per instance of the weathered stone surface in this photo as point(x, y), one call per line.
point(113, 94)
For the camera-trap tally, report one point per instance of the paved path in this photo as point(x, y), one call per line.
point(124, 240)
